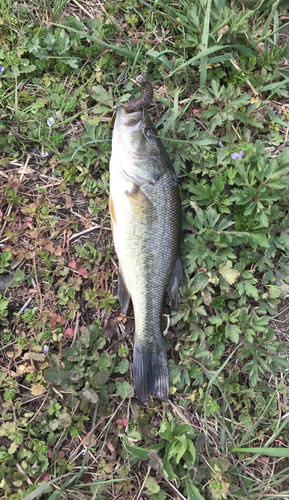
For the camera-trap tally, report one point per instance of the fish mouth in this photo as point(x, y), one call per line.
point(128, 122)
point(125, 126)
point(129, 134)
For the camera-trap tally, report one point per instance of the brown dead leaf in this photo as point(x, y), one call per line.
point(86, 439)
point(50, 453)
point(223, 30)
point(27, 170)
point(112, 450)
point(17, 352)
point(37, 389)
point(21, 369)
point(14, 184)
point(58, 251)
point(35, 356)
point(104, 119)
point(49, 247)
point(69, 203)
point(260, 47)
point(207, 298)
point(163, 90)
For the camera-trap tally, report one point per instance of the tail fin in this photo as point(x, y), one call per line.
point(150, 370)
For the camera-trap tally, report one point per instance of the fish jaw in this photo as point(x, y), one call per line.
point(125, 126)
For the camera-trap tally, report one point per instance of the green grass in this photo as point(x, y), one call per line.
point(70, 426)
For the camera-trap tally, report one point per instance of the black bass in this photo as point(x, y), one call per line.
point(145, 211)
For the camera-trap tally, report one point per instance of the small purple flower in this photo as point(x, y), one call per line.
point(46, 348)
point(2, 69)
point(220, 143)
point(237, 155)
point(26, 309)
point(56, 216)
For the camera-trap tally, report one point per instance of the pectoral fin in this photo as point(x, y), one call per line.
point(175, 284)
point(141, 203)
point(123, 295)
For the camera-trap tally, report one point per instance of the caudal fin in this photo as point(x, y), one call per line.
point(150, 371)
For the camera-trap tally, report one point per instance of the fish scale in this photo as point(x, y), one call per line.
point(145, 211)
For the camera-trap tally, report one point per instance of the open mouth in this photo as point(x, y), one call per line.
point(131, 121)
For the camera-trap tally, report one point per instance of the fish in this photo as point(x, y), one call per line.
point(145, 210)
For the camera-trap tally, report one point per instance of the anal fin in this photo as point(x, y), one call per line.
point(123, 295)
point(175, 284)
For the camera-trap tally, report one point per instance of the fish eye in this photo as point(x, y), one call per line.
point(150, 132)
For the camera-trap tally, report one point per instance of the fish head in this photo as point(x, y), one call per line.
point(135, 134)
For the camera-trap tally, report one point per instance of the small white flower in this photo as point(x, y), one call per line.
point(46, 348)
point(50, 121)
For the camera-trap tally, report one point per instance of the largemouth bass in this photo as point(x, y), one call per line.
point(145, 211)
